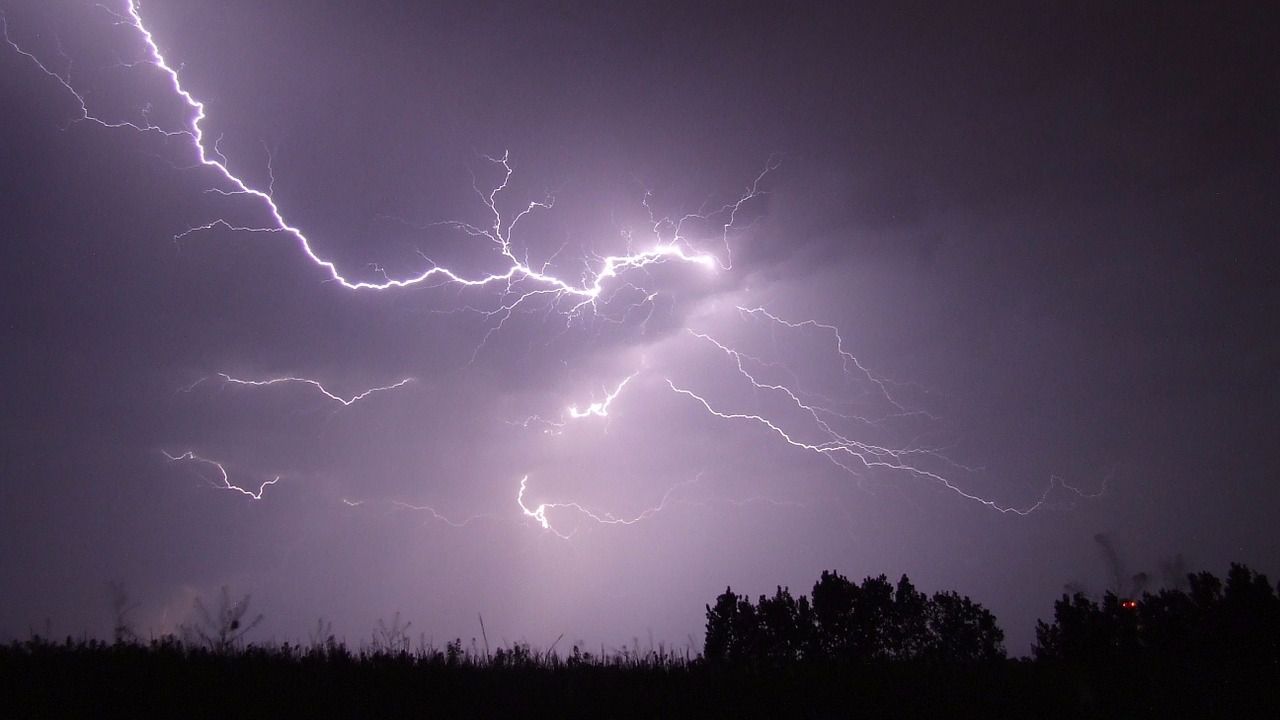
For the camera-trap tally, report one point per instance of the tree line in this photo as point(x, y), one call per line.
point(851, 622)
point(1231, 624)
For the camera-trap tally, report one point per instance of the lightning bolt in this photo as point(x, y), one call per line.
point(539, 512)
point(846, 357)
point(225, 480)
point(848, 454)
point(435, 514)
point(84, 113)
point(439, 516)
point(595, 409)
point(669, 242)
point(344, 401)
point(521, 282)
point(868, 456)
point(601, 409)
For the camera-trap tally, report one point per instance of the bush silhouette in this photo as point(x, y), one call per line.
point(222, 628)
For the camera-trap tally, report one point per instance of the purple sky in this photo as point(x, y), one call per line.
point(1047, 237)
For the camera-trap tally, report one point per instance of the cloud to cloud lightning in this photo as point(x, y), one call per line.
point(522, 281)
point(539, 511)
point(598, 409)
point(224, 479)
point(345, 401)
point(838, 448)
point(601, 409)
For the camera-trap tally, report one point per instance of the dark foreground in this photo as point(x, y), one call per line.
point(166, 679)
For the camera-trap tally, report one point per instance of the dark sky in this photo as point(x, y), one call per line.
point(1048, 233)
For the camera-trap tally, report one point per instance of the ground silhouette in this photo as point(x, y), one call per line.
point(869, 649)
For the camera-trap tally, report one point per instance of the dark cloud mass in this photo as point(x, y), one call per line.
point(1050, 231)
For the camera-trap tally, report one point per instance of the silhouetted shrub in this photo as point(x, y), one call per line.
point(222, 629)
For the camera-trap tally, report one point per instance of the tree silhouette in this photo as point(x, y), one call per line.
point(962, 631)
point(851, 623)
point(1236, 624)
point(833, 601)
point(719, 637)
point(909, 632)
point(785, 626)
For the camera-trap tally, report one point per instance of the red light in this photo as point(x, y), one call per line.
point(1129, 604)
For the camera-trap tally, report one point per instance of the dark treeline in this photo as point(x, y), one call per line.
point(1233, 625)
point(845, 650)
point(847, 622)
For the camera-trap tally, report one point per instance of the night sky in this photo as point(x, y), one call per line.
point(1044, 235)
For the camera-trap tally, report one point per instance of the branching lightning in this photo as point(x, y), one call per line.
point(669, 242)
point(849, 454)
point(573, 412)
point(520, 283)
point(600, 409)
point(846, 358)
point(224, 480)
point(539, 512)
